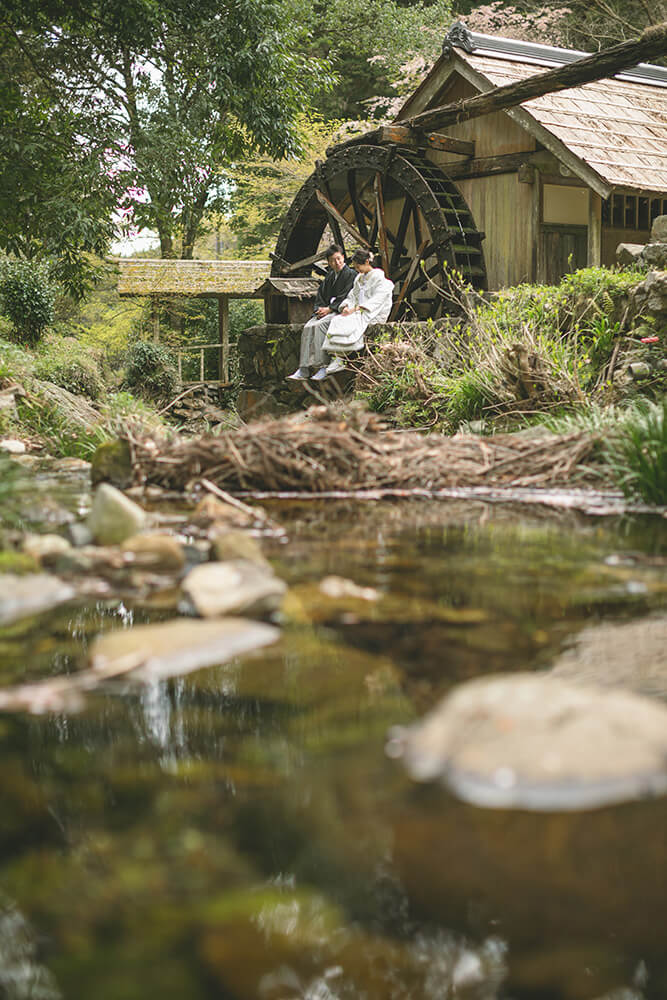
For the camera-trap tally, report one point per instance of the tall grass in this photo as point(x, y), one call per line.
point(636, 450)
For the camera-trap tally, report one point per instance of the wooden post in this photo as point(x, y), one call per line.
point(223, 337)
point(155, 312)
point(594, 258)
point(536, 228)
point(201, 364)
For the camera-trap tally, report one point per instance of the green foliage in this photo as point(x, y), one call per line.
point(375, 47)
point(27, 296)
point(69, 365)
point(637, 452)
point(61, 436)
point(15, 363)
point(86, 123)
point(244, 313)
point(150, 370)
point(568, 331)
point(264, 187)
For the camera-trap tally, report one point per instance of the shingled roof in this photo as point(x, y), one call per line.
point(616, 127)
point(235, 278)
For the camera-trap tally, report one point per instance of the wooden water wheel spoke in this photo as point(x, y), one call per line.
point(356, 205)
point(406, 215)
point(394, 201)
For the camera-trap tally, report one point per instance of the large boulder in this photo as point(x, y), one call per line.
point(533, 741)
point(654, 288)
point(629, 254)
point(659, 229)
point(655, 255)
point(112, 463)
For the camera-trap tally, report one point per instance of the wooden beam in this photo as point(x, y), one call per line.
point(484, 166)
point(408, 281)
point(223, 337)
point(399, 135)
point(341, 220)
point(382, 231)
point(313, 259)
point(400, 233)
point(651, 44)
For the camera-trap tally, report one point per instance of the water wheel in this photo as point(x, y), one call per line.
point(397, 203)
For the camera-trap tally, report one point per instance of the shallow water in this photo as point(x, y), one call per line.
point(240, 833)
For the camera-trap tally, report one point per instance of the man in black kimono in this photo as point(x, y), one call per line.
point(330, 295)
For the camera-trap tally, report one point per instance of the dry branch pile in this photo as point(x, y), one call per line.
point(331, 449)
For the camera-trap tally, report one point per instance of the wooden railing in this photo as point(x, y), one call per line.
point(223, 367)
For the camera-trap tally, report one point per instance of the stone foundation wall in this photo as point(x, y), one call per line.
point(269, 353)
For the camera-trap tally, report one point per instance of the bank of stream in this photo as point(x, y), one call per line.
point(239, 832)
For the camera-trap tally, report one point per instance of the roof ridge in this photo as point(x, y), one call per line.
point(473, 42)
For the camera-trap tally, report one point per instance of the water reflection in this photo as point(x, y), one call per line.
point(239, 832)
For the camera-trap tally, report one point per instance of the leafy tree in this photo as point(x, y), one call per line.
point(374, 47)
point(265, 187)
point(151, 97)
point(56, 194)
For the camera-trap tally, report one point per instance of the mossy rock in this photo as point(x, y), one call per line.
point(112, 463)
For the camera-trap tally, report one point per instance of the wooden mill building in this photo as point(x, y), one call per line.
point(558, 182)
point(528, 186)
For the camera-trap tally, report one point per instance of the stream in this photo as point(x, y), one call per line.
point(240, 833)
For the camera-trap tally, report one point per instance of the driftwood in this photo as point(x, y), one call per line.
point(652, 44)
point(330, 449)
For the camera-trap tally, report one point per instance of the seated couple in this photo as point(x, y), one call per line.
point(344, 307)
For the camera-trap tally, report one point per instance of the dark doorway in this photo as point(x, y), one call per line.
point(564, 249)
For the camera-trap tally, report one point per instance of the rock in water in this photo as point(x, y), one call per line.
point(45, 549)
point(177, 647)
point(629, 655)
point(161, 553)
point(237, 545)
point(21, 596)
point(236, 587)
point(113, 517)
point(531, 741)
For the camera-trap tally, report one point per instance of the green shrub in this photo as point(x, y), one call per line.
point(150, 370)
point(27, 297)
point(71, 367)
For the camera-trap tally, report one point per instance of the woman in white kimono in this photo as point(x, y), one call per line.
point(369, 302)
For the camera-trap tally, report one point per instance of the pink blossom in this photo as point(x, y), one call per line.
point(650, 340)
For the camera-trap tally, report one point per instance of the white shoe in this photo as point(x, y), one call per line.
point(337, 365)
point(320, 375)
point(300, 375)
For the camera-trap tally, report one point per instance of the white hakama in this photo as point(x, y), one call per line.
point(371, 296)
